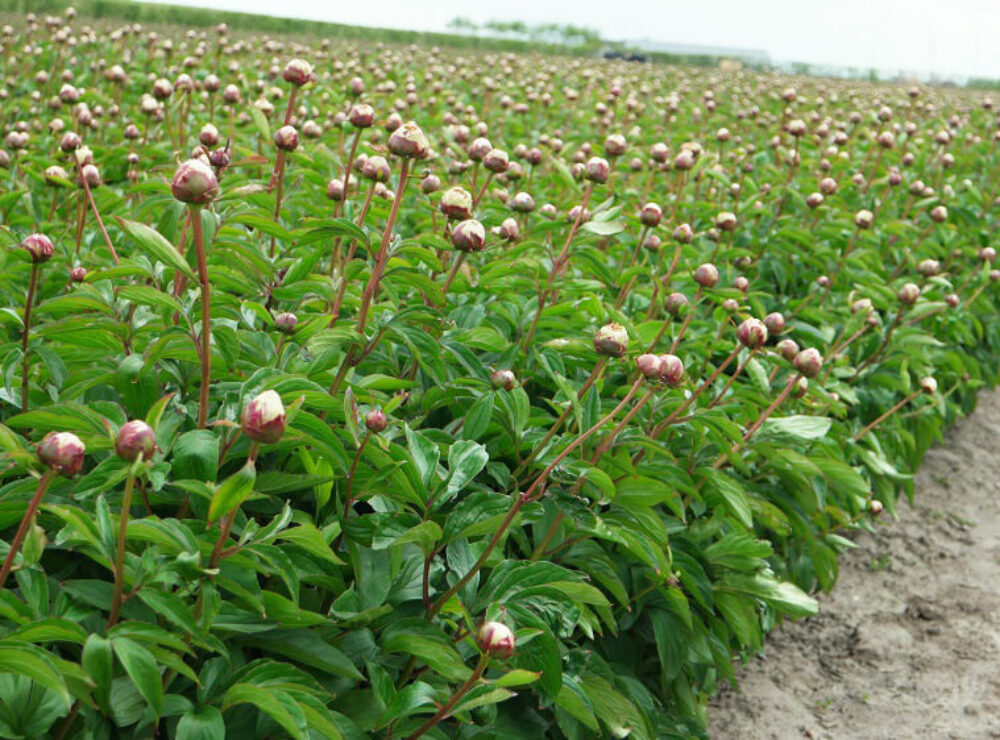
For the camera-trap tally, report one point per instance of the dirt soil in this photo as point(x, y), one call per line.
point(908, 644)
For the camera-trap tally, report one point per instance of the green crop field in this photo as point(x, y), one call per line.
point(361, 388)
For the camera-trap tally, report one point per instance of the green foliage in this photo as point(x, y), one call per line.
point(328, 576)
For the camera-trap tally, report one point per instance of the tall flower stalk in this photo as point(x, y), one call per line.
point(195, 184)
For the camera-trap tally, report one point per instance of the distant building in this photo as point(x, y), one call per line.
point(755, 57)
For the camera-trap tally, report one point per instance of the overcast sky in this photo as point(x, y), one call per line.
point(943, 37)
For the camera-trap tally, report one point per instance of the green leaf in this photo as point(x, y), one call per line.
point(518, 677)
point(731, 493)
point(196, 456)
point(233, 491)
point(477, 418)
point(465, 461)
point(140, 665)
point(277, 704)
point(308, 648)
point(782, 595)
point(156, 246)
point(201, 723)
point(26, 660)
point(797, 427)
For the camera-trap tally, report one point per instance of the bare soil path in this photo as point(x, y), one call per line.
point(908, 644)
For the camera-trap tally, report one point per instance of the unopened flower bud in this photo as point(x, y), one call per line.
point(775, 323)
point(752, 333)
point(409, 141)
point(939, 214)
point(649, 366)
point(39, 248)
point(135, 438)
point(456, 203)
point(928, 385)
point(263, 418)
point(504, 379)
point(651, 215)
point(908, 294)
point(335, 190)
point(286, 138)
point(726, 221)
point(598, 170)
point(298, 72)
point(809, 362)
point(496, 640)
point(376, 169)
point(676, 303)
point(286, 322)
point(863, 219)
point(375, 421)
point(671, 370)
point(707, 275)
point(928, 267)
point(788, 349)
point(469, 236)
point(362, 115)
point(430, 184)
point(78, 274)
point(611, 340)
point(496, 161)
point(875, 507)
point(683, 234)
point(509, 229)
point(195, 183)
point(63, 452)
point(952, 300)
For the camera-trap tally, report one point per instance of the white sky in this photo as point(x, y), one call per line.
point(942, 37)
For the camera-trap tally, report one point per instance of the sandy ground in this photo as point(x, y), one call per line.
point(908, 644)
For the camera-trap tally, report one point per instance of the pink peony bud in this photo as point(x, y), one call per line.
point(707, 275)
point(298, 72)
point(598, 170)
point(775, 323)
point(504, 379)
point(752, 333)
point(649, 366)
point(788, 349)
point(469, 236)
point(651, 215)
point(908, 294)
point(263, 418)
point(375, 421)
point(496, 640)
point(456, 203)
point(286, 322)
point(671, 370)
point(39, 247)
point(409, 141)
point(611, 340)
point(809, 362)
point(361, 115)
point(195, 183)
point(286, 138)
point(135, 438)
point(63, 452)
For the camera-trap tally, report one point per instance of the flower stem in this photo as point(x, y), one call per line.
point(26, 358)
point(22, 530)
point(206, 315)
point(383, 251)
point(887, 414)
point(456, 264)
point(461, 691)
point(116, 602)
